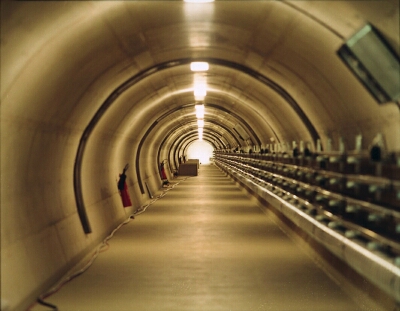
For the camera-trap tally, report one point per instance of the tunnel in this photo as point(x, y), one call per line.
point(88, 87)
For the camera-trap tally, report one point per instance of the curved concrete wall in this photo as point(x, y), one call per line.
point(112, 79)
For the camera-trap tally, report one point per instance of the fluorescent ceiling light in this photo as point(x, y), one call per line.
point(200, 86)
point(200, 134)
point(199, 111)
point(200, 123)
point(199, 107)
point(198, 1)
point(199, 94)
point(200, 114)
point(372, 60)
point(199, 66)
point(200, 90)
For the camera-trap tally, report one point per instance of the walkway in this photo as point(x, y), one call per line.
point(205, 246)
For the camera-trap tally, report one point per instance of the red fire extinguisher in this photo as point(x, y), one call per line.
point(123, 188)
point(164, 177)
point(162, 171)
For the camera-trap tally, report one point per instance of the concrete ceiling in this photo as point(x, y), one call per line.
point(273, 63)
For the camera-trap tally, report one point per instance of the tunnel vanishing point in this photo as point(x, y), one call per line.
point(301, 106)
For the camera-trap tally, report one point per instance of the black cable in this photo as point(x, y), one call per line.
point(44, 303)
point(105, 243)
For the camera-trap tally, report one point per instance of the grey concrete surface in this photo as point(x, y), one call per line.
point(206, 245)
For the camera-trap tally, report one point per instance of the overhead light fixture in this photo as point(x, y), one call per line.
point(198, 1)
point(200, 123)
point(199, 111)
point(200, 86)
point(199, 66)
point(200, 114)
point(200, 131)
point(200, 120)
point(200, 92)
point(199, 107)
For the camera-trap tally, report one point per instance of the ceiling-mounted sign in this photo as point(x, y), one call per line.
point(374, 63)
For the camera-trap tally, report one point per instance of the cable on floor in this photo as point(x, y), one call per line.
point(142, 209)
point(101, 248)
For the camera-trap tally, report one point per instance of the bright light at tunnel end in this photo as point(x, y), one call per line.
point(201, 150)
point(199, 66)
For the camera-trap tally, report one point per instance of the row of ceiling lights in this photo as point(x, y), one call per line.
point(200, 84)
point(200, 92)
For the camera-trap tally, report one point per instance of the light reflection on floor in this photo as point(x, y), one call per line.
point(202, 248)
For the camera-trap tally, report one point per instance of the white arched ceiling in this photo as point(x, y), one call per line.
point(87, 86)
point(275, 40)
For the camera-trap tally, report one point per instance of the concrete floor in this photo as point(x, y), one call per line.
point(206, 245)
